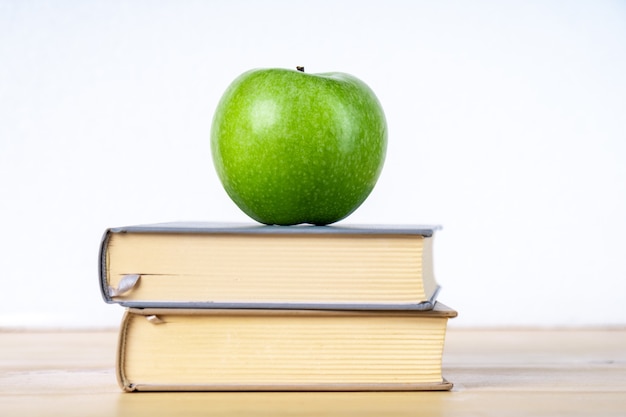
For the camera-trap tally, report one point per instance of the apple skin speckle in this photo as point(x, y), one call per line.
point(291, 147)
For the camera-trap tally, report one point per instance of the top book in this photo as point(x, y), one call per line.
point(218, 265)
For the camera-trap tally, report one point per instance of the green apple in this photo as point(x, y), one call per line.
point(291, 147)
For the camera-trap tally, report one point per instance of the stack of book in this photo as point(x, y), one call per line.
point(252, 307)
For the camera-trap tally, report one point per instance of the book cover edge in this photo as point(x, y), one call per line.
point(258, 228)
point(201, 305)
point(438, 310)
point(444, 385)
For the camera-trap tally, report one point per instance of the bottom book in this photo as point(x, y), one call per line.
point(282, 350)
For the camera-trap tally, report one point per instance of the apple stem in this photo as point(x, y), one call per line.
point(300, 68)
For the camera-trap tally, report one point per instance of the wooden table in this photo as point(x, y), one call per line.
point(496, 373)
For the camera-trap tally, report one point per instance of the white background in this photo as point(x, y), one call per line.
point(507, 126)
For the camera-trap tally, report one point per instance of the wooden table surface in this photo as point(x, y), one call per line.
point(495, 372)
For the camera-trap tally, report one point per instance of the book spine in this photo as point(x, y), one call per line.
point(124, 384)
point(102, 267)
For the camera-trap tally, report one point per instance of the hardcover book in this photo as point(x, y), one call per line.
point(282, 350)
point(213, 265)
